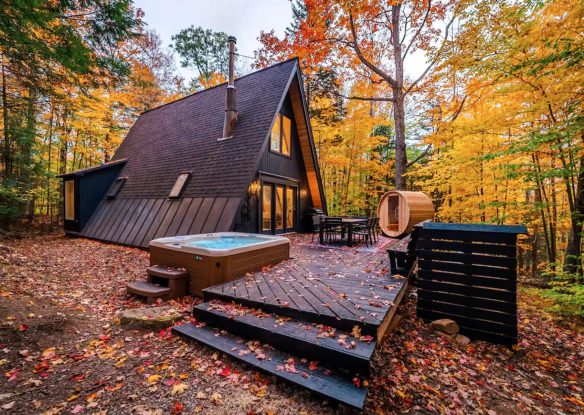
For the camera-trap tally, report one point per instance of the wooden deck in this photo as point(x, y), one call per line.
point(338, 287)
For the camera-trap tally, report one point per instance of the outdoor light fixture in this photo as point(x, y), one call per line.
point(254, 187)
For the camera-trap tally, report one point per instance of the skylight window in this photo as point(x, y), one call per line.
point(179, 185)
point(115, 187)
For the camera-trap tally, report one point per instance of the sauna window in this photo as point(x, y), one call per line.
point(70, 200)
point(281, 135)
point(115, 188)
point(179, 185)
point(393, 214)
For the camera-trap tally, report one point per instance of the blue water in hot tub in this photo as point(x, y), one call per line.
point(225, 242)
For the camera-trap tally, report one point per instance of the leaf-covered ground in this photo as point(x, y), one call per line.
point(62, 352)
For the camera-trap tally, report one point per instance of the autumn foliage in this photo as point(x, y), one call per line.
point(493, 117)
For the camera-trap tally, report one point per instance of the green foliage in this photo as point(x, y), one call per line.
point(204, 50)
point(45, 42)
point(12, 201)
point(568, 300)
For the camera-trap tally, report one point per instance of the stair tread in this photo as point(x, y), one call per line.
point(330, 384)
point(167, 272)
point(327, 337)
point(147, 289)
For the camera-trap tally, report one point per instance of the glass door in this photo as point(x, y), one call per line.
point(266, 208)
point(279, 208)
point(291, 209)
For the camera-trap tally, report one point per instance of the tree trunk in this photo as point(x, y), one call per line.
point(401, 158)
point(573, 253)
point(7, 152)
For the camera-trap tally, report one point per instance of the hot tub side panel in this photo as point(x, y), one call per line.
point(240, 264)
point(206, 271)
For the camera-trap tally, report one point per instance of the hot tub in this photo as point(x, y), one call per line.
point(213, 258)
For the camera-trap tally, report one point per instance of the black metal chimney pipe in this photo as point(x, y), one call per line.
point(230, 108)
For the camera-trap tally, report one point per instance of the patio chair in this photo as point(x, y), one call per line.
point(375, 230)
point(317, 223)
point(366, 231)
point(333, 227)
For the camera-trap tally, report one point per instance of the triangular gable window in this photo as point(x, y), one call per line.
point(115, 187)
point(179, 185)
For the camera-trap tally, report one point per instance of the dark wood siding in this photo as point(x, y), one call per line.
point(284, 167)
point(90, 189)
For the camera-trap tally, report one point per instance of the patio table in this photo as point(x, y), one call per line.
point(348, 224)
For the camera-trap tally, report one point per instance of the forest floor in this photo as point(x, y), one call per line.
point(61, 351)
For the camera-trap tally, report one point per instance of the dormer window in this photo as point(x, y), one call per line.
point(281, 135)
point(179, 185)
point(115, 187)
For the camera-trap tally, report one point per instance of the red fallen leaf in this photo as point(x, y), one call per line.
point(366, 339)
point(11, 375)
point(104, 338)
point(177, 408)
point(22, 327)
point(79, 377)
point(225, 372)
point(313, 365)
point(357, 382)
point(41, 367)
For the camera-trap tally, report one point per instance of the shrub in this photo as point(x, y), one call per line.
point(13, 200)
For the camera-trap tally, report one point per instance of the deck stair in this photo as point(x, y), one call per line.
point(313, 341)
point(328, 383)
point(320, 358)
point(148, 290)
point(162, 282)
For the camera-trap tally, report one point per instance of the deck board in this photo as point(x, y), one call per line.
point(344, 286)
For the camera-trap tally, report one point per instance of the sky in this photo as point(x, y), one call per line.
point(243, 19)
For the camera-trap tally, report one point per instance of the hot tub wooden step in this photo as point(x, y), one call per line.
point(148, 290)
point(171, 273)
point(313, 341)
point(332, 385)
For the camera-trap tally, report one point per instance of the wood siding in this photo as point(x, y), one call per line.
point(90, 188)
point(307, 145)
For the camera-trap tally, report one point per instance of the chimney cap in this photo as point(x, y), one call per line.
point(232, 39)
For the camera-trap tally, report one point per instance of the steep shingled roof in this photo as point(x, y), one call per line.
point(182, 136)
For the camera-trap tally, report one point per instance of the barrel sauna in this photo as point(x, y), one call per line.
point(399, 211)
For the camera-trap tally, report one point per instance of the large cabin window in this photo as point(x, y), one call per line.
point(179, 185)
point(281, 135)
point(70, 200)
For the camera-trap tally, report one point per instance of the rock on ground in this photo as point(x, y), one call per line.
point(445, 325)
point(160, 317)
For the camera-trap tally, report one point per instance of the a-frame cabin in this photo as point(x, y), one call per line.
point(191, 166)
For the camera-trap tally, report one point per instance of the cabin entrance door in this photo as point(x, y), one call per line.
point(279, 208)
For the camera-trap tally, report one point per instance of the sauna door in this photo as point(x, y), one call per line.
point(279, 207)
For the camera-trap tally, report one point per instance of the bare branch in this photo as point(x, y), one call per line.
point(433, 62)
point(420, 157)
point(358, 98)
point(454, 116)
point(418, 31)
point(363, 59)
